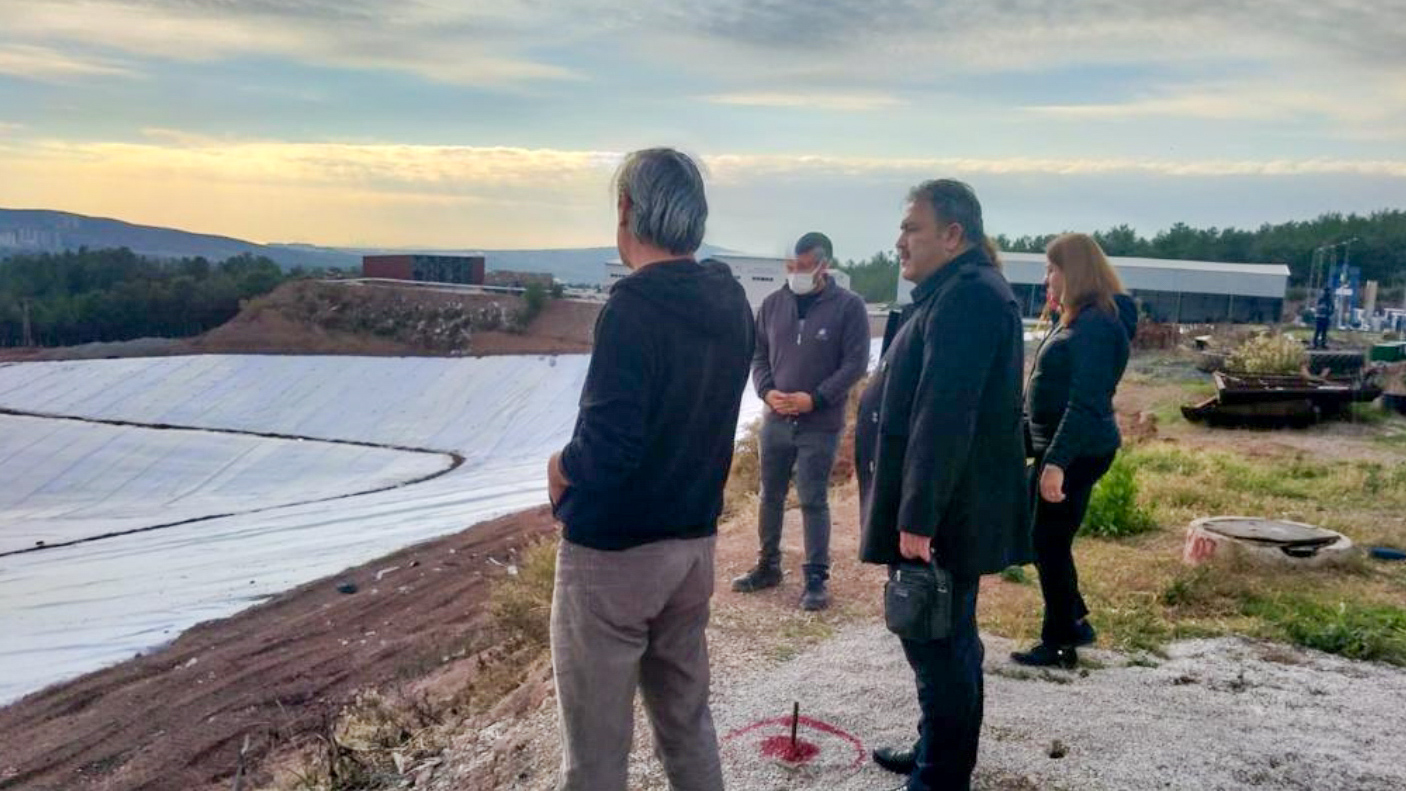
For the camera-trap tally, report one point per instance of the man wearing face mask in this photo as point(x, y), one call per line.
point(812, 346)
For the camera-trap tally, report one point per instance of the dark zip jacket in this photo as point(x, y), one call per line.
point(939, 442)
point(1070, 395)
point(658, 418)
point(823, 354)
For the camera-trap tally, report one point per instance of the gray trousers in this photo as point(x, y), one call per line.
point(785, 447)
point(627, 619)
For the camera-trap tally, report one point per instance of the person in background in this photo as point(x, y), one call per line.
point(812, 346)
point(1073, 431)
point(640, 486)
point(1322, 318)
point(940, 452)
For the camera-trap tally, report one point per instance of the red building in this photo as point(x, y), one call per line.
point(465, 269)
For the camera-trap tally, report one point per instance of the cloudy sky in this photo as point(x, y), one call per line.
point(497, 123)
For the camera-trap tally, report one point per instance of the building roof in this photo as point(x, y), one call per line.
point(1124, 262)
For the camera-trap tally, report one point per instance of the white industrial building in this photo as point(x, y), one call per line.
point(758, 275)
point(1182, 292)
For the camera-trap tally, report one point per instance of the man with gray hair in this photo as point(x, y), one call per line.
point(812, 346)
point(639, 489)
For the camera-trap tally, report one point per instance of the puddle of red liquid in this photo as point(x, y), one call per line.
point(781, 747)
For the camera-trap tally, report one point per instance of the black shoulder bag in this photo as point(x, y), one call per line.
point(918, 601)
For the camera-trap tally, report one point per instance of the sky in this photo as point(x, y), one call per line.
point(477, 124)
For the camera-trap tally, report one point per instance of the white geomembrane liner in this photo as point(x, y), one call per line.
point(67, 480)
point(68, 610)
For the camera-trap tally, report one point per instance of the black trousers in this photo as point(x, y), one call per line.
point(1055, 527)
point(950, 695)
point(1320, 333)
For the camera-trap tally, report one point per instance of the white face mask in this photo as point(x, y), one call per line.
point(801, 282)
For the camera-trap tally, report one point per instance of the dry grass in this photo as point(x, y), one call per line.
point(522, 602)
point(1268, 354)
point(386, 738)
point(744, 481)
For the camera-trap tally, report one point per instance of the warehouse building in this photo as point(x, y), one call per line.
point(1181, 292)
point(464, 269)
point(758, 275)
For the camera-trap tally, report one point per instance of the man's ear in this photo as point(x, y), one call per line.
point(623, 206)
point(954, 235)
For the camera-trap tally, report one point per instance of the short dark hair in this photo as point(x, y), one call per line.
point(813, 240)
point(953, 201)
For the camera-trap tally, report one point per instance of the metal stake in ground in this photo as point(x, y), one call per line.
point(795, 721)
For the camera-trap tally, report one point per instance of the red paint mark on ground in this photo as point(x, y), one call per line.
point(781, 747)
point(806, 722)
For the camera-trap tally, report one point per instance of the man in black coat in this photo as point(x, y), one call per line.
point(940, 452)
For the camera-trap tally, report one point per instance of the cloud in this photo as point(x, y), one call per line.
point(818, 101)
point(1016, 34)
point(1369, 102)
point(847, 41)
point(500, 170)
point(447, 196)
point(743, 167)
point(51, 65)
point(831, 55)
point(432, 41)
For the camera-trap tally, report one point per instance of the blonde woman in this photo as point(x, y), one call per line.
point(1069, 405)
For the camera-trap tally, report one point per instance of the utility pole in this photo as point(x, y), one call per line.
point(1313, 273)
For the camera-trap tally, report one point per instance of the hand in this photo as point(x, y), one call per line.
point(779, 402)
point(556, 479)
point(915, 547)
point(1052, 484)
point(802, 403)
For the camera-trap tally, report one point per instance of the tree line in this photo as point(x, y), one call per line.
point(86, 295)
point(1379, 249)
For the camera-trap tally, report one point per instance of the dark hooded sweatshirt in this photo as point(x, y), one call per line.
point(658, 414)
point(1069, 401)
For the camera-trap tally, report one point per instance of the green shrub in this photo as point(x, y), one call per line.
point(1114, 511)
point(1015, 574)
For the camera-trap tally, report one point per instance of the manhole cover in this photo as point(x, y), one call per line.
point(1269, 531)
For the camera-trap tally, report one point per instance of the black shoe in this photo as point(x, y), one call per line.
point(896, 760)
point(761, 577)
point(1084, 634)
point(816, 597)
point(1043, 655)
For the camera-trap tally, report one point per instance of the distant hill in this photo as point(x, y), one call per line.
point(40, 231)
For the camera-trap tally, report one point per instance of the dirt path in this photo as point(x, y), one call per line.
point(176, 718)
point(1226, 713)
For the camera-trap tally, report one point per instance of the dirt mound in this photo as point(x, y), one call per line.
point(312, 317)
point(177, 718)
point(269, 332)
